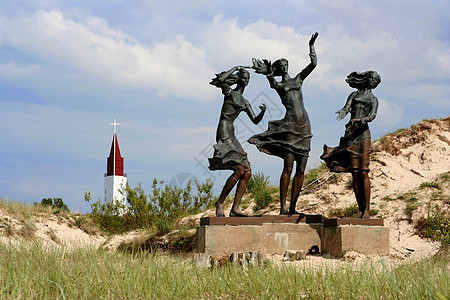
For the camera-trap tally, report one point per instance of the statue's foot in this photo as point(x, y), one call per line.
point(237, 213)
point(366, 215)
point(284, 212)
point(219, 210)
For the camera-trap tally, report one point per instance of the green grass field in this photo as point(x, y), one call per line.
point(31, 271)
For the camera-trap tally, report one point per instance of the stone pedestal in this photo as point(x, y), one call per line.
point(219, 236)
point(366, 236)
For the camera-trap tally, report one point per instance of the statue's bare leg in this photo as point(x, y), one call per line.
point(229, 184)
point(365, 180)
point(284, 182)
point(356, 182)
point(297, 183)
point(240, 189)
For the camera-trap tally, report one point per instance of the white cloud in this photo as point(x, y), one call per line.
point(175, 67)
point(236, 45)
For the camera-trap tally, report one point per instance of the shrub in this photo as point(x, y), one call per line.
point(436, 226)
point(160, 209)
point(258, 181)
point(260, 189)
point(262, 198)
point(56, 203)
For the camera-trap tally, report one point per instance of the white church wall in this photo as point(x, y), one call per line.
point(115, 189)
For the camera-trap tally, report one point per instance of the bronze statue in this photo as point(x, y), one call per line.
point(353, 153)
point(228, 152)
point(289, 138)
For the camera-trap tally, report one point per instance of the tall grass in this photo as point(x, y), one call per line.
point(38, 272)
point(24, 211)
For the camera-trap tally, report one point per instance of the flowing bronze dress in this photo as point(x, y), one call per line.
point(353, 152)
point(292, 134)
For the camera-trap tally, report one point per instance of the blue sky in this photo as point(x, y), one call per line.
point(69, 68)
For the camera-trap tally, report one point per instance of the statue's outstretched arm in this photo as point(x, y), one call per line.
point(313, 57)
point(251, 113)
point(346, 109)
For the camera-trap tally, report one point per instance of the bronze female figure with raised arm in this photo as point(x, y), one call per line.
point(228, 152)
point(289, 138)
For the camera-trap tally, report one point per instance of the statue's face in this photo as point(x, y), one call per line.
point(371, 82)
point(244, 78)
point(283, 66)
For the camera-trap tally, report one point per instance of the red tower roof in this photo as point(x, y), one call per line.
point(114, 165)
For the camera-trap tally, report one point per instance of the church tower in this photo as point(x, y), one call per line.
point(115, 178)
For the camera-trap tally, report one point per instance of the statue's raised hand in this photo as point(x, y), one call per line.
point(262, 66)
point(313, 38)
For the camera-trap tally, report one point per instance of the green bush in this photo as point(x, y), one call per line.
point(262, 198)
point(258, 181)
point(160, 209)
point(56, 203)
point(260, 189)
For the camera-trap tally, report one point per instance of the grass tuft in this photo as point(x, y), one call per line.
point(433, 184)
point(436, 226)
point(346, 212)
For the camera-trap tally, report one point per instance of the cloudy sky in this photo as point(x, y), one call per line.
point(69, 68)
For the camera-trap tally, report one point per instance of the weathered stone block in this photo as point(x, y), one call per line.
point(369, 240)
point(273, 238)
point(281, 237)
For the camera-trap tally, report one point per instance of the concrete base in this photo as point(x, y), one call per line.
point(363, 238)
point(268, 238)
point(218, 236)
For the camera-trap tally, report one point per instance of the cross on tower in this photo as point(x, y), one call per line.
point(114, 124)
